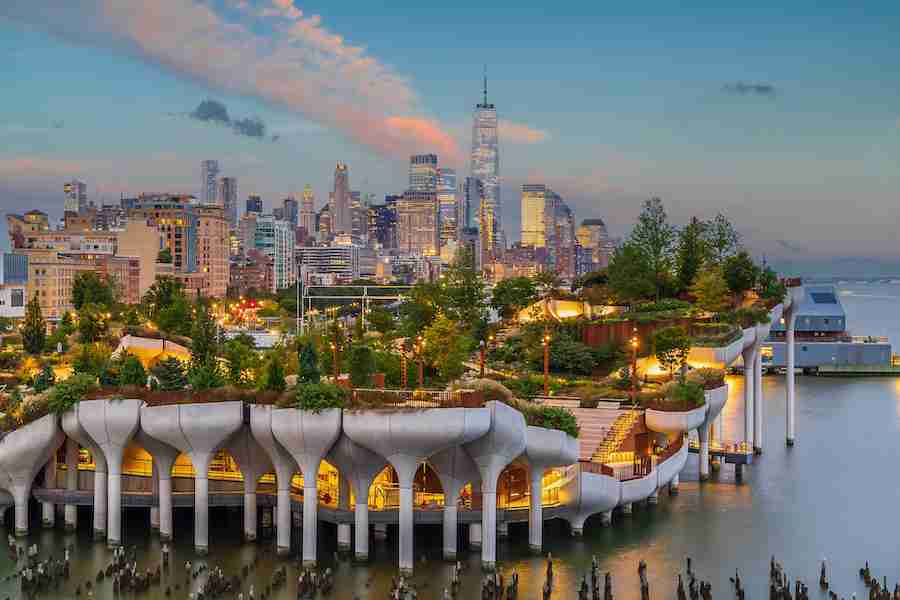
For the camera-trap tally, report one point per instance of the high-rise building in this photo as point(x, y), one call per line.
point(110, 217)
point(75, 193)
point(594, 237)
point(448, 205)
point(536, 210)
point(485, 163)
point(382, 226)
point(473, 193)
point(209, 181)
point(291, 211)
point(13, 284)
point(423, 172)
point(254, 204)
point(308, 211)
point(275, 238)
point(228, 196)
point(213, 250)
point(341, 210)
point(418, 223)
point(324, 223)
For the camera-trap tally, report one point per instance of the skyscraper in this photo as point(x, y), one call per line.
point(473, 192)
point(485, 162)
point(308, 210)
point(254, 204)
point(291, 211)
point(448, 205)
point(423, 172)
point(228, 196)
point(209, 181)
point(537, 213)
point(75, 196)
point(341, 214)
point(594, 237)
point(418, 223)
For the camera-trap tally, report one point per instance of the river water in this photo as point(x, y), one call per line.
point(833, 495)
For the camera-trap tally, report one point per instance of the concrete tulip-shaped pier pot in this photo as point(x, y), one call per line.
point(544, 449)
point(307, 436)
point(492, 452)
point(675, 422)
point(408, 437)
point(164, 457)
point(455, 468)
point(253, 463)
point(359, 466)
point(715, 402)
point(72, 427)
point(586, 493)
point(22, 454)
point(110, 425)
point(284, 465)
point(198, 430)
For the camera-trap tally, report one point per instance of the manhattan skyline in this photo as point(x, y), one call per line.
point(785, 122)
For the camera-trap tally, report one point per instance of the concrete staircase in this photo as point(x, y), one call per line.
point(618, 432)
point(595, 423)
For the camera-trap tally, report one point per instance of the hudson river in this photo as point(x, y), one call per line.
point(834, 495)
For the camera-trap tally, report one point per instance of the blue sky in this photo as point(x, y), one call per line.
point(786, 119)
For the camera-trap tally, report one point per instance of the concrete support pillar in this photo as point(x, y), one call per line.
point(165, 505)
point(100, 508)
point(311, 516)
point(489, 529)
point(71, 511)
point(703, 433)
point(361, 518)
point(606, 518)
point(789, 376)
point(154, 508)
point(114, 498)
point(673, 485)
point(749, 355)
point(758, 405)
point(344, 532)
point(536, 512)
point(201, 502)
point(283, 521)
point(48, 510)
point(20, 494)
point(475, 535)
point(627, 509)
point(249, 513)
point(344, 536)
point(406, 525)
point(451, 520)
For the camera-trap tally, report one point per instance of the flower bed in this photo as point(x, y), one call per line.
point(714, 335)
point(677, 396)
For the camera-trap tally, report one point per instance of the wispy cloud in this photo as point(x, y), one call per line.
point(294, 62)
point(216, 113)
point(519, 133)
point(743, 88)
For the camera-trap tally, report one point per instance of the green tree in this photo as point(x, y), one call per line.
point(512, 295)
point(672, 346)
point(241, 358)
point(166, 305)
point(358, 331)
point(308, 370)
point(446, 347)
point(67, 324)
point(770, 287)
point(89, 288)
point(164, 256)
point(34, 329)
point(421, 307)
point(93, 359)
point(45, 379)
point(131, 370)
point(381, 320)
point(722, 240)
point(92, 323)
point(272, 379)
point(654, 237)
point(711, 291)
point(740, 273)
point(692, 253)
point(362, 365)
point(170, 374)
point(630, 277)
point(204, 335)
point(463, 289)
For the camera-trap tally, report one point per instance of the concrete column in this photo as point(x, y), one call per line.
point(673, 485)
point(749, 355)
point(627, 509)
point(154, 508)
point(344, 537)
point(100, 508)
point(20, 494)
point(789, 376)
point(489, 529)
point(536, 512)
point(283, 521)
point(361, 518)
point(606, 518)
point(165, 505)
point(71, 511)
point(475, 535)
point(758, 405)
point(249, 515)
point(451, 520)
point(577, 524)
point(114, 499)
point(201, 462)
point(703, 432)
point(48, 516)
point(310, 515)
point(406, 520)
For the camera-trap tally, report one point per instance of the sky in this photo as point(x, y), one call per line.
point(784, 118)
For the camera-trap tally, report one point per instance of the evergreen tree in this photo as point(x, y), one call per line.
point(89, 288)
point(692, 253)
point(740, 273)
point(710, 290)
point(721, 238)
point(654, 237)
point(170, 374)
point(630, 277)
point(463, 289)
point(204, 343)
point(34, 330)
point(45, 379)
point(308, 371)
point(66, 324)
point(92, 324)
point(362, 365)
point(272, 379)
point(131, 371)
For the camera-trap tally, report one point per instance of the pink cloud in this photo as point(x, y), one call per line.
point(301, 65)
point(40, 167)
point(519, 133)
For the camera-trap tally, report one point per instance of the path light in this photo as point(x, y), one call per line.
point(634, 347)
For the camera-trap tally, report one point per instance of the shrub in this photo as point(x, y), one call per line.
point(92, 359)
point(672, 346)
point(317, 397)
point(707, 378)
point(272, 379)
point(665, 304)
point(308, 364)
point(205, 376)
point(131, 370)
point(389, 364)
point(362, 365)
point(570, 356)
point(44, 380)
point(169, 374)
point(66, 394)
point(549, 417)
point(677, 396)
point(492, 390)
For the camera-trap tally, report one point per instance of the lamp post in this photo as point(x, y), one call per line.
point(634, 347)
point(404, 380)
point(334, 361)
point(546, 342)
point(420, 346)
